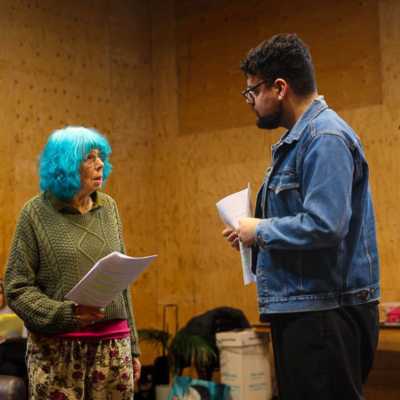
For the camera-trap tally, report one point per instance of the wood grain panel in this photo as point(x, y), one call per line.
point(214, 36)
point(161, 79)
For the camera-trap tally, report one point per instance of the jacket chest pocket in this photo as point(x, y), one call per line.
point(284, 196)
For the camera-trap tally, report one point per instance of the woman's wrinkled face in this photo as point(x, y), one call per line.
point(92, 172)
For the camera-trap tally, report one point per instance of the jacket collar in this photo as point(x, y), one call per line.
point(316, 107)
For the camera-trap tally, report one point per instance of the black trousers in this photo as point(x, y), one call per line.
point(12, 358)
point(324, 355)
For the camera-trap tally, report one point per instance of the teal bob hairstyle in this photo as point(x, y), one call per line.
point(61, 159)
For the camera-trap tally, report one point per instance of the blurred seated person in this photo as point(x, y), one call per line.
point(12, 340)
point(199, 334)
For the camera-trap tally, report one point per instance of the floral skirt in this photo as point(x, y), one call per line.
point(61, 369)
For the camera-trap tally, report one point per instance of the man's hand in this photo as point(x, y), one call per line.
point(137, 367)
point(247, 230)
point(87, 315)
point(232, 237)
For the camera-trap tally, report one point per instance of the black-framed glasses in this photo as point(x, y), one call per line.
point(250, 93)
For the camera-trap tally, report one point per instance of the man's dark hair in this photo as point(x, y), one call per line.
point(282, 56)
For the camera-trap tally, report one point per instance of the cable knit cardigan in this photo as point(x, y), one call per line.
point(53, 247)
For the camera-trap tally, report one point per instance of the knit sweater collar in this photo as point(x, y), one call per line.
point(64, 207)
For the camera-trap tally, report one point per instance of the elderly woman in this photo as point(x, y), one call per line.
point(73, 351)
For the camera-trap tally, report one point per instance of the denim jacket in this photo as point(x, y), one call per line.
point(316, 241)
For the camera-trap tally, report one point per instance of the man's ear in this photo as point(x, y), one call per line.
point(282, 88)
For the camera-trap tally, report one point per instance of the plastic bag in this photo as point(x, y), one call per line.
point(187, 388)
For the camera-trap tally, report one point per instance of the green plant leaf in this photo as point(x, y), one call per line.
point(155, 337)
point(186, 350)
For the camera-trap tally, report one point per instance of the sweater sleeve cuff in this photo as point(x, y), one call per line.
point(69, 314)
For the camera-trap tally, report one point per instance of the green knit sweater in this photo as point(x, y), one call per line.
point(53, 248)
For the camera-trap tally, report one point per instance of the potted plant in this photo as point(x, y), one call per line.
point(158, 338)
point(178, 352)
point(193, 345)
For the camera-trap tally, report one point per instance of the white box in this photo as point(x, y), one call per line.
point(245, 364)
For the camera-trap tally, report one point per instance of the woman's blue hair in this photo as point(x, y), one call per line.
point(61, 159)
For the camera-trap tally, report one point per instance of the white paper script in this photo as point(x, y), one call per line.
point(108, 277)
point(231, 208)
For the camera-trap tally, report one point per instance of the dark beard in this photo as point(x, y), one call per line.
point(270, 121)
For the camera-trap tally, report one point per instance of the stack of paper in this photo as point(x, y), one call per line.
point(231, 209)
point(108, 277)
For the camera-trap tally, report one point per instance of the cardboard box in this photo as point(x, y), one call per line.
point(244, 364)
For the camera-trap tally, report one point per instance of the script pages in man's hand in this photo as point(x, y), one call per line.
point(231, 208)
point(108, 277)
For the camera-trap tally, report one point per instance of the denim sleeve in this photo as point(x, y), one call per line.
point(326, 186)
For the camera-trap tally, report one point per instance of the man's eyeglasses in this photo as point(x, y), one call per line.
point(250, 93)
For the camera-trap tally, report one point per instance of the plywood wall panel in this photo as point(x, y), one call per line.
point(161, 79)
point(390, 35)
point(164, 70)
point(214, 36)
